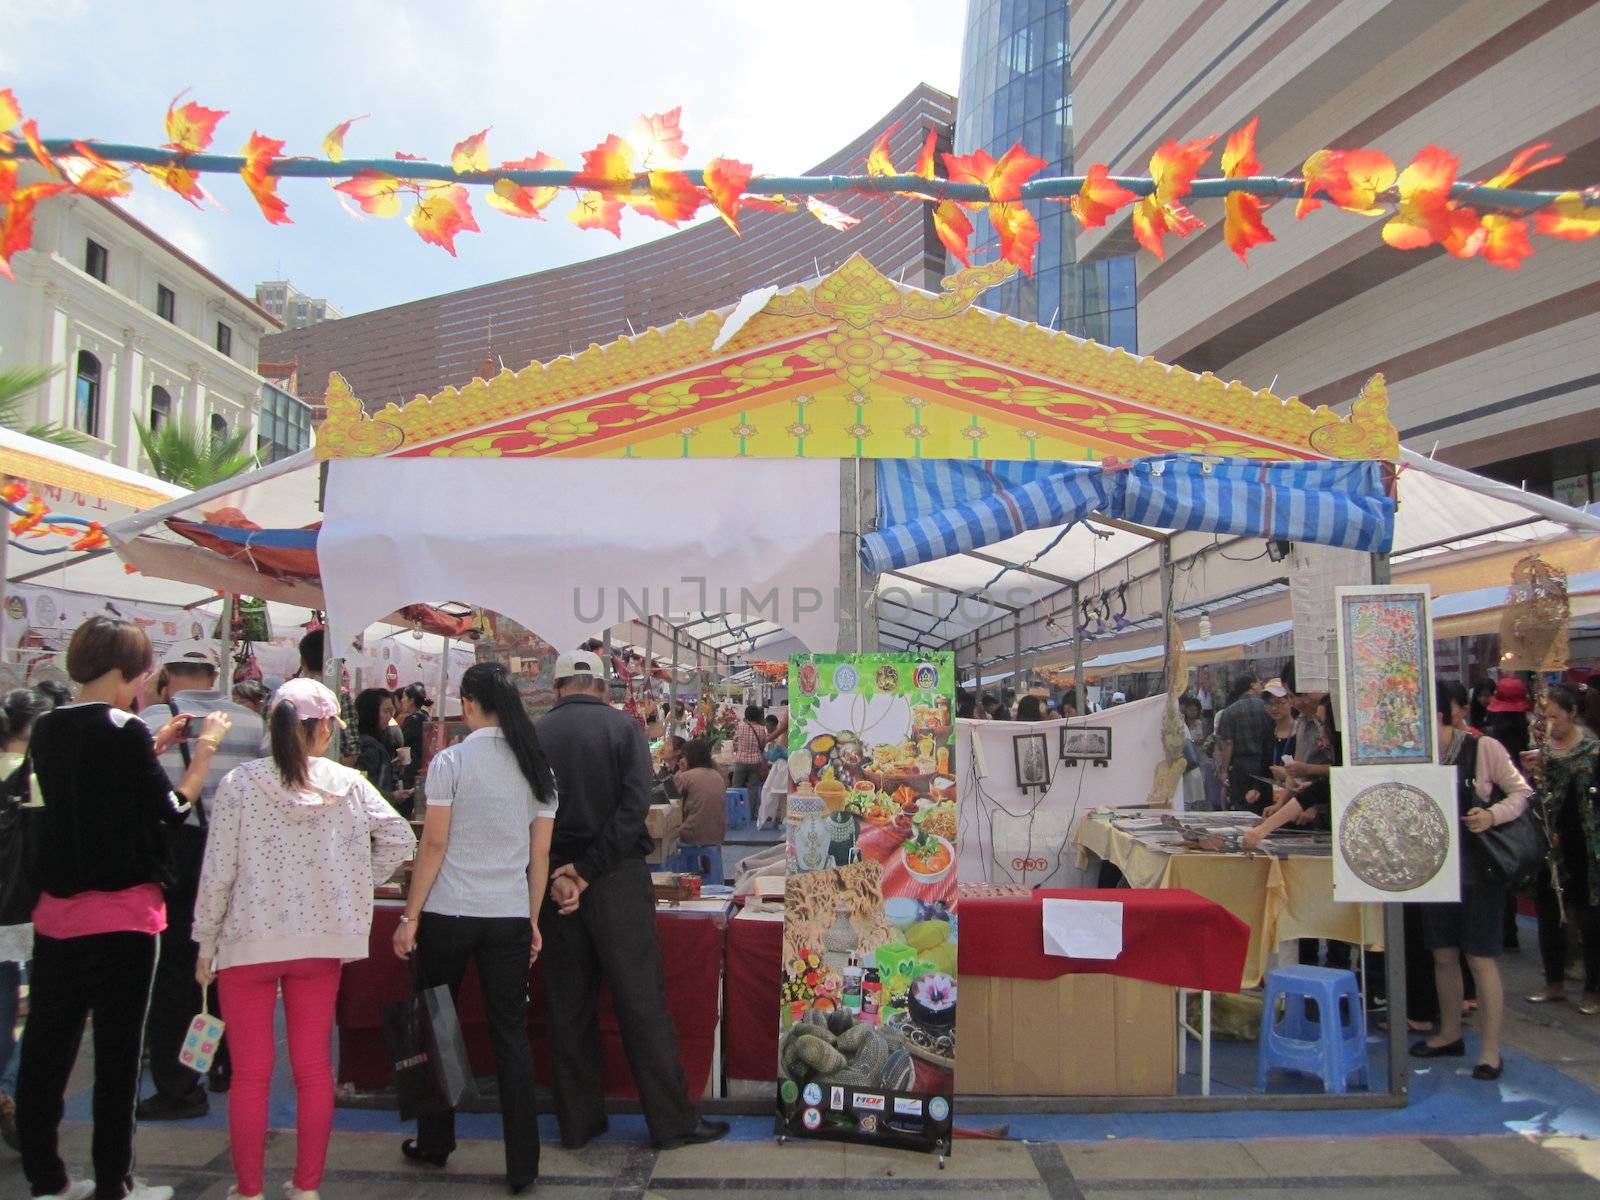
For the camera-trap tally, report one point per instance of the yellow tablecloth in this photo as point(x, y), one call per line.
point(1279, 898)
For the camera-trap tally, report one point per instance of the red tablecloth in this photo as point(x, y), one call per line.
point(691, 949)
point(750, 1013)
point(1169, 936)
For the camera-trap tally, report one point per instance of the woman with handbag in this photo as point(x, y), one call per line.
point(1491, 795)
point(297, 843)
point(1571, 769)
point(475, 895)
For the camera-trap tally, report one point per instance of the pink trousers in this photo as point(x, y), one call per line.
point(249, 995)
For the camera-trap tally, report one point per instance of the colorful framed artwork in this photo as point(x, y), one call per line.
point(1385, 639)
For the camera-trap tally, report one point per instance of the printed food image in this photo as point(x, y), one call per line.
point(1393, 837)
point(929, 858)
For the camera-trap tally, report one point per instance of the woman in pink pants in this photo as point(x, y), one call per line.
point(295, 846)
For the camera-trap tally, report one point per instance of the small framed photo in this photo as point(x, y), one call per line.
point(1085, 743)
point(1033, 760)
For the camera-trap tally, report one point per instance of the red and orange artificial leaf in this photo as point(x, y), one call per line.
point(1172, 168)
point(92, 538)
point(1004, 179)
point(776, 203)
point(1351, 179)
point(30, 134)
point(1523, 164)
point(191, 127)
point(830, 216)
point(658, 140)
point(726, 179)
point(259, 153)
point(333, 144)
point(595, 210)
point(8, 179)
point(1243, 225)
point(1505, 242)
point(523, 200)
point(1424, 214)
point(954, 230)
point(470, 154)
point(441, 212)
point(181, 180)
point(925, 158)
point(10, 110)
point(1019, 233)
point(670, 197)
point(17, 231)
point(377, 192)
point(608, 167)
point(1099, 197)
point(878, 160)
point(1569, 217)
point(101, 177)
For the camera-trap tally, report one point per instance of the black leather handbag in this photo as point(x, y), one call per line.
point(1508, 855)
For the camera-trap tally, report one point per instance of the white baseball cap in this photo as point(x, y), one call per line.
point(190, 654)
point(579, 662)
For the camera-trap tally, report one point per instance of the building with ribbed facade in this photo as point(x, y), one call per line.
point(393, 354)
point(1016, 71)
point(1493, 369)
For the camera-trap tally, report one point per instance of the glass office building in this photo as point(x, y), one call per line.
point(1016, 87)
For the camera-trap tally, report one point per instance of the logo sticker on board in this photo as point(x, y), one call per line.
point(845, 678)
point(938, 1108)
point(812, 1119)
point(925, 677)
point(869, 1124)
point(836, 1097)
point(871, 1103)
point(813, 1094)
point(887, 679)
point(808, 679)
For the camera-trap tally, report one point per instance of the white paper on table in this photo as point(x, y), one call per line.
point(1083, 928)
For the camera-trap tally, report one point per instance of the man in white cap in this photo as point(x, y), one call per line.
point(189, 671)
point(600, 922)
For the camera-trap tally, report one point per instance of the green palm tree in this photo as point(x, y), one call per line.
point(182, 454)
point(16, 385)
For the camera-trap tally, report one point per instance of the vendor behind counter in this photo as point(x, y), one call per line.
point(704, 791)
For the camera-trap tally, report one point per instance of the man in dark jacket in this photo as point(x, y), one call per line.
point(600, 921)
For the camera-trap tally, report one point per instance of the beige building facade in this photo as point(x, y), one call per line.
point(1495, 370)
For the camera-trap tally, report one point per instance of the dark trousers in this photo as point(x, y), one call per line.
point(1573, 850)
point(612, 937)
point(106, 976)
point(1422, 994)
point(175, 998)
point(500, 947)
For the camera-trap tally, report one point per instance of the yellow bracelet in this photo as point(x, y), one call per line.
point(214, 742)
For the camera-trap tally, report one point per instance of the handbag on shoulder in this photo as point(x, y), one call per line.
point(1508, 855)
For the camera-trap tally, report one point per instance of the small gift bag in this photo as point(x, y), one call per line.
point(200, 1044)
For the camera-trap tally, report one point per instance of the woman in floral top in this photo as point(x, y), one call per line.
point(1571, 767)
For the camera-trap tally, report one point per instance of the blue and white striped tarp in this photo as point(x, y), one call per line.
point(929, 509)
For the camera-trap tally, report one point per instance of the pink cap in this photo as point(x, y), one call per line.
point(311, 700)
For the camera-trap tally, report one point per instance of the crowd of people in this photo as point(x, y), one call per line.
point(213, 851)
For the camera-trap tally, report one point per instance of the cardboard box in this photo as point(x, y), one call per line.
point(1079, 1035)
point(665, 848)
point(664, 819)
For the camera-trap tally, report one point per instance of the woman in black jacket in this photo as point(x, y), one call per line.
point(374, 755)
point(101, 866)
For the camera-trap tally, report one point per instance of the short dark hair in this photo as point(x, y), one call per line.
point(104, 644)
point(54, 691)
point(753, 712)
point(772, 720)
point(251, 690)
point(1447, 692)
point(697, 753)
point(185, 669)
point(313, 651)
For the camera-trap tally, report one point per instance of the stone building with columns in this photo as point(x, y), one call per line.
point(138, 329)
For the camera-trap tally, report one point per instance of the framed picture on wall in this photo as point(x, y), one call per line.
point(1086, 743)
point(1032, 754)
point(1385, 637)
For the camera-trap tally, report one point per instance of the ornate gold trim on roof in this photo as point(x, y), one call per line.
point(858, 334)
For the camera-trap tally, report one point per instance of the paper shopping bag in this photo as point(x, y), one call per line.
point(201, 1042)
point(429, 1055)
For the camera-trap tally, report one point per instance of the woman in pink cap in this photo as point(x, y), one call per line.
point(297, 844)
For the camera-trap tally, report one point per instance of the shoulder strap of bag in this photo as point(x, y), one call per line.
point(199, 807)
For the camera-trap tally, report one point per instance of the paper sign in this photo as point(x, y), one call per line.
point(1083, 928)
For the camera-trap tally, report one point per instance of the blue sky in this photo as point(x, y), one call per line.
point(778, 85)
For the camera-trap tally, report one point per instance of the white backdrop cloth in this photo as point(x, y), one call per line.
point(568, 547)
point(1007, 836)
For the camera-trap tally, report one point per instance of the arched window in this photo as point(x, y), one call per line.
point(219, 427)
point(86, 401)
point(160, 407)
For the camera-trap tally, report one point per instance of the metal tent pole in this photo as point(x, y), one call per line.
point(1078, 687)
point(225, 648)
point(1016, 656)
point(1394, 945)
point(444, 674)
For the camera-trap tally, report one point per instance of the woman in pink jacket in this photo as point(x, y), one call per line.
point(296, 845)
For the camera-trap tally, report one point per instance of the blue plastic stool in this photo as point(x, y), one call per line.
point(738, 808)
point(704, 861)
point(1332, 1045)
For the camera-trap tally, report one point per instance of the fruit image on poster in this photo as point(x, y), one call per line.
point(867, 1023)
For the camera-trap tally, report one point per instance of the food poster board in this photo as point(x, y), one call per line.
point(530, 659)
point(1385, 637)
point(867, 1022)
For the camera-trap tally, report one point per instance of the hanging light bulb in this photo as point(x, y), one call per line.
point(1205, 626)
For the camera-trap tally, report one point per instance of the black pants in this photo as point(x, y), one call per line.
point(499, 946)
point(1573, 849)
point(1422, 993)
point(175, 998)
point(106, 976)
point(612, 937)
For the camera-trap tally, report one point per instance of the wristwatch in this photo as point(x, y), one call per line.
point(404, 919)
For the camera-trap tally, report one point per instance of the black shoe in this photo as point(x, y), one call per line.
point(579, 1142)
point(1485, 1071)
point(705, 1131)
point(219, 1081)
point(160, 1108)
point(1455, 1049)
point(409, 1149)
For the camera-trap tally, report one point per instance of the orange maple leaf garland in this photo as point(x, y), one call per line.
point(1243, 226)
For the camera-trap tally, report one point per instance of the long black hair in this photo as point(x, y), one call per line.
point(489, 686)
point(290, 739)
point(1445, 693)
point(369, 703)
point(417, 694)
point(19, 709)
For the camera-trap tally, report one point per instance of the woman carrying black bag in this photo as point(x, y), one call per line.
point(1491, 793)
point(476, 890)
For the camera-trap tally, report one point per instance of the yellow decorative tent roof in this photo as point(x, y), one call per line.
point(855, 365)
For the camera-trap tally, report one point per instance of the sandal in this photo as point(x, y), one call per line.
point(410, 1150)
